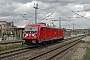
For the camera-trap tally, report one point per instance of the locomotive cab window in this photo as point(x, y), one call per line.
point(31, 28)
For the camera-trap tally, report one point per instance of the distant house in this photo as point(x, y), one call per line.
point(5, 26)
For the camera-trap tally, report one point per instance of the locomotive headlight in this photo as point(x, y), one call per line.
point(34, 35)
point(26, 34)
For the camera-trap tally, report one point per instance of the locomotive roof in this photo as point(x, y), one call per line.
point(42, 25)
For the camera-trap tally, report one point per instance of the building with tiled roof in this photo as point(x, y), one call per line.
point(5, 26)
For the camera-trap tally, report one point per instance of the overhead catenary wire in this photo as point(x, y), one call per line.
point(27, 18)
point(46, 16)
point(76, 13)
point(55, 8)
point(23, 11)
point(19, 10)
point(81, 15)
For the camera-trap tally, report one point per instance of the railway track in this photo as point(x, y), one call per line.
point(5, 43)
point(43, 53)
point(48, 55)
point(13, 52)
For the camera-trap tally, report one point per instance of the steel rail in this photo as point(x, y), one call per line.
point(13, 52)
point(34, 56)
point(39, 55)
point(4, 43)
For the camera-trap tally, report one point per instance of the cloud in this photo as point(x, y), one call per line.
point(86, 7)
point(23, 11)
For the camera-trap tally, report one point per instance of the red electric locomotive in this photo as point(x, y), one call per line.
point(35, 34)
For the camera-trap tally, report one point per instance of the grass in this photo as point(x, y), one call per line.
point(3, 48)
point(88, 42)
point(87, 56)
point(75, 59)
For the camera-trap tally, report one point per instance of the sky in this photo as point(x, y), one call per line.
point(70, 12)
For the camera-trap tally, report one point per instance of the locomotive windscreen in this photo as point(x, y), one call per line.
point(31, 28)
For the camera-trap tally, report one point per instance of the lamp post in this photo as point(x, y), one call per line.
point(36, 7)
point(60, 22)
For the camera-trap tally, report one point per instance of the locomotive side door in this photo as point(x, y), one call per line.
point(43, 32)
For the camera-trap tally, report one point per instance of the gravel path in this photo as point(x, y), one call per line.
point(81, 51)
